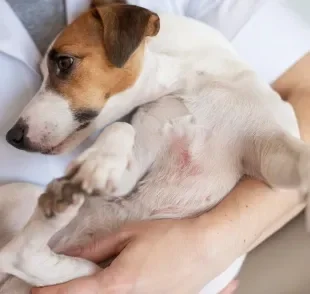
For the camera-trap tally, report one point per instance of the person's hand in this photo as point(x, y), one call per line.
point(166, 256)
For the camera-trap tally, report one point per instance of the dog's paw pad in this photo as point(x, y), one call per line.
point(61, 196)
point(100, 172)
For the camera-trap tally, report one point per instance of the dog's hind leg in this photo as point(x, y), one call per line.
point(28, 257)
point(17, 203)
point(280, 160)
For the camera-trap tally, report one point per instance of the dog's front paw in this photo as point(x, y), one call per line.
point(101, 168)
point(61, 197)
point(99, 172)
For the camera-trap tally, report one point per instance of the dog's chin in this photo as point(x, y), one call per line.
point(59, 149)
point(63, 147)
point(68, 144)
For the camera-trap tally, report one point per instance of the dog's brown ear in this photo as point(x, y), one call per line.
point(124, 28)
point(97, 3)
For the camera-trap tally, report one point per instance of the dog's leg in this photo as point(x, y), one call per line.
point(108, 167)
point(123, 153)
point(280, 160)
point(17, 203)
point(28, 256)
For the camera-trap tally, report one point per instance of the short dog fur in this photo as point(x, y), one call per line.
point(204, 120)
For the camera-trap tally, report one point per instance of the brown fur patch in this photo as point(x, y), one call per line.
point(108, 50)
point(124, 28)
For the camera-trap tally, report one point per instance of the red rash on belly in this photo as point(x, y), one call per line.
point(180, 149)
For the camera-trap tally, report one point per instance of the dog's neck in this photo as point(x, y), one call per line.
point(159, 77)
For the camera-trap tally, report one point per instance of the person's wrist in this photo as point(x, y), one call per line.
point(219, 234)
point(217, 244)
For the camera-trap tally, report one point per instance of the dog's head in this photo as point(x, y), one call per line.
point(97, 56)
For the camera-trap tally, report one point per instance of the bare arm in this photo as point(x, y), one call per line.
point(253, 211)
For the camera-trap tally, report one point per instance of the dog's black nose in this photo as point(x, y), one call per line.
point(17, 135)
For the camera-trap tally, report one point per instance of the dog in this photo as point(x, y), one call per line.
point(204, 120)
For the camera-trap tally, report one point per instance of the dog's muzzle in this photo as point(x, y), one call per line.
point(17, 136)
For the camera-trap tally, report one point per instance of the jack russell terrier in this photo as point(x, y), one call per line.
point(204, 120)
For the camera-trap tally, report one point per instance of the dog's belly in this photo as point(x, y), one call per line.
point(190, 179)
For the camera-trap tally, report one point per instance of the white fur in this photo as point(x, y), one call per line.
point(186, 151)
point(53, 121)
point(49, 117)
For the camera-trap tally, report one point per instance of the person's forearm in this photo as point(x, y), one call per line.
point(252, 211)
point(250, 214)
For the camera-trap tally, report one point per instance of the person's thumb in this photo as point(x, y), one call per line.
point(101, 249)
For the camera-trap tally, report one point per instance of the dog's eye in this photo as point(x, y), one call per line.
point(64, 63)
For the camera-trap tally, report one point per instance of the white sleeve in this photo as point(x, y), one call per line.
point(227, 16)
point(75, 7)
point(273, 39)
point(177, 7)
point(267, 34)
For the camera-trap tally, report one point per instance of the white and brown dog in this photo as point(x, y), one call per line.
point(205, 119)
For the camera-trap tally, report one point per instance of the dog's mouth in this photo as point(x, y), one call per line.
point(61, 148)
point(69, 143)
